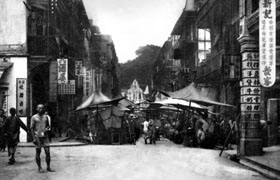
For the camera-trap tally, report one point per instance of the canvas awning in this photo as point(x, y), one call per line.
point(170, 108)
point(191, 93)
point(180, 103)
point(97, 99)
point(126, 103)
point(4, 66)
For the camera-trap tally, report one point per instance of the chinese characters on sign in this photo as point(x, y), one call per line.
point(62, 76)
point(69, 88)
point(78, 68)
point(87, 82)
point(4, 101)
point(267, 42)
point(250, 87)
point(21, 96)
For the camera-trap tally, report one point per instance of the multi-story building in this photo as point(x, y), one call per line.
point(46, 57)
point(215, 42)
point(254, 40)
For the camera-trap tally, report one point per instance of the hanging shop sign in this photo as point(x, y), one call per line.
point(4, 101)
point(93, 83)
point(21, 96)
point(250, 86)
point(67, 89)
point(267, 42)
point(87, 83)
point(78, 68)
point(62, 65)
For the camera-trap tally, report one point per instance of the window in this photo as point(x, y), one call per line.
point(204, 43)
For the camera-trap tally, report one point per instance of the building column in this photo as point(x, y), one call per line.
point(250, 135)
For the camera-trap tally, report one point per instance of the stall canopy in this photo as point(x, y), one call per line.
point(191, 93)
point(180, 103)
point(97, 99)
point(170, 108)
point(126, 103)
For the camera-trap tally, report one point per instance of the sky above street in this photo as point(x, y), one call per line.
point(134, 23)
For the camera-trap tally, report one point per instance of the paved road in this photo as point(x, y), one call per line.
point(164, 161)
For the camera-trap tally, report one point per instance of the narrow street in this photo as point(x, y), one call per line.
point(163, 161)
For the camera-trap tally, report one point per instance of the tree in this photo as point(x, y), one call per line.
point(139, 68)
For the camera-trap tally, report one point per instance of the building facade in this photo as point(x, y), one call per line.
point(217, 42)
point(51, 54)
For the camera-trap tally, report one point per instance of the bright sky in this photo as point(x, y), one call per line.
point(134, 23)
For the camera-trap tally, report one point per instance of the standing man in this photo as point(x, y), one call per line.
point(145, 130)
point(39, 128)
point(2, 137)
point(11, 131)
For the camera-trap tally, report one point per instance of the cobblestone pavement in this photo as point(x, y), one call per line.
point(164, 161)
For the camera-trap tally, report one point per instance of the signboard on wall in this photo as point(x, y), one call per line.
point(78, 68)
point(267, 46)
point(21, 96)
point(69, 88)
point(250, 87)
point(87, 83)
point(4, 101)
point(62, 71)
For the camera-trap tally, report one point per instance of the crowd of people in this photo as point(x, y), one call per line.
point(194, 131)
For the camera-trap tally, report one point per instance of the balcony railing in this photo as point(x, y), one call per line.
point(253, 19)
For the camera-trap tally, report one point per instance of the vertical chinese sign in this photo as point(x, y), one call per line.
point(4, 101)
point(21, 96)
point(93, 85)
point(250, 89)
point(62, 77)
point(78, 68)
point(267, 35)
point(87, 82)
point(79, 73)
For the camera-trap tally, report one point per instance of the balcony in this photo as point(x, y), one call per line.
point(253, 19)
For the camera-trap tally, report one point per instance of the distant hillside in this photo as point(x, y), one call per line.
point(140, 68)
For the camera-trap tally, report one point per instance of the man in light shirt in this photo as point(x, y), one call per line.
point(39, 129)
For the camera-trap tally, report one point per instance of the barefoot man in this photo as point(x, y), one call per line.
point(39, 127)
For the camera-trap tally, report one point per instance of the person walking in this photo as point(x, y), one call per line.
point(39, 128)
point(145, 130)
point(11, 131)
point(200, 135)
point(2, 137)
